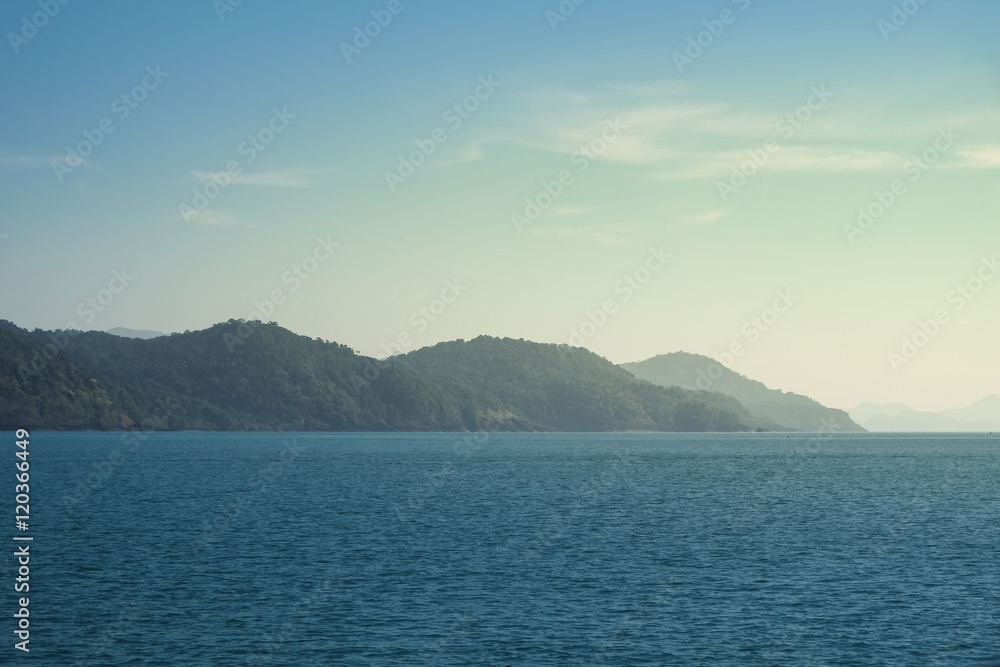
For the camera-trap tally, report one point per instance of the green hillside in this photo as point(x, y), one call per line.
point(781, 410)
point(573, 389)
point(238, 376)
point(41, 388)
point(253, 376)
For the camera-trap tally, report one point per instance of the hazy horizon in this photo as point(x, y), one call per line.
point(805, 193)
point(130, 332)
point(292, 141)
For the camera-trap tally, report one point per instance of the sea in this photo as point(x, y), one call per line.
point(508, 549)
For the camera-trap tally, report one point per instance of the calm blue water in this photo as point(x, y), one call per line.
point(554, 549)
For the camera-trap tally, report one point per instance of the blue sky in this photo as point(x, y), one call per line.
point(651, 181)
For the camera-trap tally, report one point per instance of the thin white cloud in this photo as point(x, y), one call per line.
point(611, 235)
point(706, 219)
point(563, 211)
point(979, 157)
point(289, 178)
point(675, 135)
point(465, 154)
point(716, 119)
point(799, 158)
point(720, 164)
point(210, 217)
point(27, 160)
point(31, 161)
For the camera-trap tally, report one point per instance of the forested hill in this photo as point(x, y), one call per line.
point(239, 376)
point(573, 389)
point(40, 388)
point(790, 411)
point(253, 376)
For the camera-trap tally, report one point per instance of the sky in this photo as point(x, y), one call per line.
point(808, 187)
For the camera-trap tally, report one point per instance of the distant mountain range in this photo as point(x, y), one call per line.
point(981, 417)
point(233, 376)
point(254, 376)
point(776, 409)
point(573, 389)
point(144, 334)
